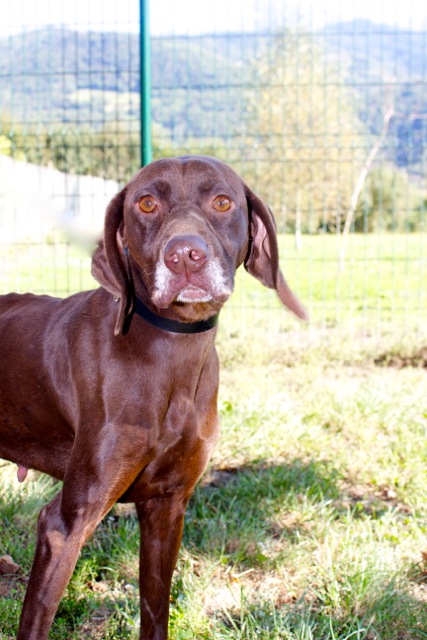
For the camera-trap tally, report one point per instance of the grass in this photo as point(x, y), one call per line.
point(383, 281)
point(311, 520)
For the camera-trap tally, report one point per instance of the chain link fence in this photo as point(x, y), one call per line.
point(322, 108)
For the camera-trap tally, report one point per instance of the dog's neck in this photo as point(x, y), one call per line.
point(173, 326)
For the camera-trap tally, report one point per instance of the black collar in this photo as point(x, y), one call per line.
point(173, 326)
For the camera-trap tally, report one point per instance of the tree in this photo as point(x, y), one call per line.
point(305, 138)
point(389, 202)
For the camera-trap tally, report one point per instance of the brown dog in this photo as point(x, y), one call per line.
point(114, 390)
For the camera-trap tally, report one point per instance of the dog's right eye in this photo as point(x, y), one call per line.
point(147, 204)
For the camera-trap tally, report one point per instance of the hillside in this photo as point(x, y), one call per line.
point(91, 79)
point(58, 75)
point(377, 51)
point(387, 66)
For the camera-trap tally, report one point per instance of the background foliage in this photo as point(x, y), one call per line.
point(296, 112)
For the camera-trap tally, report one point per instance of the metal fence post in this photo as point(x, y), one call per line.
point(145, 82)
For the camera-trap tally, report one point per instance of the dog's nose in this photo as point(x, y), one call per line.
point(186, 253)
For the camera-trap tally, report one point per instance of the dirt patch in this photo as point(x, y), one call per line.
point(416, 359)
point(11, 585)
point(228, 585)
point(371, 500)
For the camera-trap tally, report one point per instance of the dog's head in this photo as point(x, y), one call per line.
point(175, 235)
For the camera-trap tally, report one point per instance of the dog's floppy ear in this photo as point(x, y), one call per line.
point(109, 266)
point(262, 260)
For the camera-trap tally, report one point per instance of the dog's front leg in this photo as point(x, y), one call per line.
point(57, 550)
point(98, 473)
point(161, 522)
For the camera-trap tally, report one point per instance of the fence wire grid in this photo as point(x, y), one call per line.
point(321, 107)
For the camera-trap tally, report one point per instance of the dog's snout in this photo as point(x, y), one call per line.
point(186, 254)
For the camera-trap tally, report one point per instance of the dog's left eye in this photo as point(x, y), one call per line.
point(222, 203)
point(147, 204)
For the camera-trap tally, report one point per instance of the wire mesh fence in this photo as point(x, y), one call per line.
point(321, 107)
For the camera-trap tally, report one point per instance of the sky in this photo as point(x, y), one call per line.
point(207, 16)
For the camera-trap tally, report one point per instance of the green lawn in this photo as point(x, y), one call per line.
point(381, 287)
point(311, 521)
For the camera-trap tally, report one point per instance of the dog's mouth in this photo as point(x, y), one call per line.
point(210, 286)
point(192, 294)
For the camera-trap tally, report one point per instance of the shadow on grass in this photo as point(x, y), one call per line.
point(232, 518)
point(231, 515)
point(235, 508)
